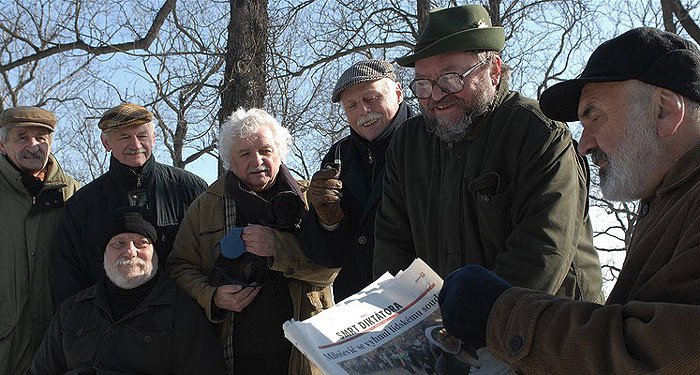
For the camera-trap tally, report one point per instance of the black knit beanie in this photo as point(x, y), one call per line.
point(129, 220)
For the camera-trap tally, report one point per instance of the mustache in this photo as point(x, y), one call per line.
point(131, 151)
point(262, 168)
point(365, 120)
point(27, 154)
point(131, 262)
point(447, 100)
point(598, 156)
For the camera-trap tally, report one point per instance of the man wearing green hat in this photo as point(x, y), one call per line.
point(483, 177)
point(33, 189)
point(638, 99)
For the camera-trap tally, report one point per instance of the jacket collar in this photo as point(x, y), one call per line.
point(55, 178)
point(126, 177)
point(684, 169)
point(160, 295)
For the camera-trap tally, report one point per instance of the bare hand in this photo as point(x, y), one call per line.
point(234, 297)
point(259, 240)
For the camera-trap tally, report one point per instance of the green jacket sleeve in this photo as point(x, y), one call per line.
point(293, 263)
point(393, 245)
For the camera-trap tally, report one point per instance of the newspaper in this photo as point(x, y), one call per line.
point(393, 326)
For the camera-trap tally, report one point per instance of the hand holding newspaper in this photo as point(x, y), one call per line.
point(393, 326)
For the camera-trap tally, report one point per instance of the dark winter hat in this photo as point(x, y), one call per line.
point(130, 219)
point(363, 71)
point(646, 54)
point(27, 116)
point(462, 28)
point(123, 115)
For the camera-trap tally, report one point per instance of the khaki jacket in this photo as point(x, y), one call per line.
point(650, 324)
point(512, 196)
point(194, 253)
point(27, 228)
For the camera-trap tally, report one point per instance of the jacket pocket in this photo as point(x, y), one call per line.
point(492, 196)
point(79, 342)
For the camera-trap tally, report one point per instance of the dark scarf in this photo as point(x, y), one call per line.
point(30, 182)
point(124, 301)
point(279, 207)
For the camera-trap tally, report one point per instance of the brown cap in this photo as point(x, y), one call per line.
point(123, 115)
point(27, 116)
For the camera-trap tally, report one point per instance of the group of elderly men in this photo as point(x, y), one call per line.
point(151, 271)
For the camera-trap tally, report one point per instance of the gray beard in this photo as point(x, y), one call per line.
point(450, 131)
point(625, 177)
point(124, 282)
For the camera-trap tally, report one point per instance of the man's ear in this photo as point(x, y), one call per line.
point(495, 71)
point(105, 141)
point(399, 92)
point(2, 149)
point(671, 112)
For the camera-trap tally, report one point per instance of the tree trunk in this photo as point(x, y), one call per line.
point(423, 8)
point(245, 76)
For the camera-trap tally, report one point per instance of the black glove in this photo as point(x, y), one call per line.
point(466, 300)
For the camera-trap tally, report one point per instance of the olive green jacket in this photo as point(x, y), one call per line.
point(650, 323)
point(27, 227)
point(194, 253)
point(512, 196)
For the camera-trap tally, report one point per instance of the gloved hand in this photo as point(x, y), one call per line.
point(324, 194)
point(466, 299)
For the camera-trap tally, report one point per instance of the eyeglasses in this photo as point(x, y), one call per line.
point(449, 83)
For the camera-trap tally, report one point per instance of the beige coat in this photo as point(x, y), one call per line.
point(650, 324)
point(194, 253)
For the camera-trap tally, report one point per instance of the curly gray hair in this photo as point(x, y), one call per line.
point(244, 123)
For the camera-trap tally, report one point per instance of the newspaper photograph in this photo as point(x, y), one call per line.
point(393, 326)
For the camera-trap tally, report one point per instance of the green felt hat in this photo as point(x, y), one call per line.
point(462, 28)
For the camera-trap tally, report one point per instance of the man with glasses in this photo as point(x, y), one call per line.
point(483, 177)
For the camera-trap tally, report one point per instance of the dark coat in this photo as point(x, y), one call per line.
point(650, 323)
point(511, 196)
point(79, 245)
point(166, 334)
point(351, 245)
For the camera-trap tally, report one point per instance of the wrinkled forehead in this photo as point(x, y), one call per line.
point(18, 131)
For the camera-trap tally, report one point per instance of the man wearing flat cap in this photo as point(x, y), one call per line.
point(338, 231)
point(134, 320)
point(33, 189)
point(134, 179)
point(638, 99)
point(483, 177)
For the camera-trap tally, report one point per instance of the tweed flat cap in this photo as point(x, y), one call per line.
point(363, 71)
point(645, 54)
point(27, 116)
point(123, 115)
